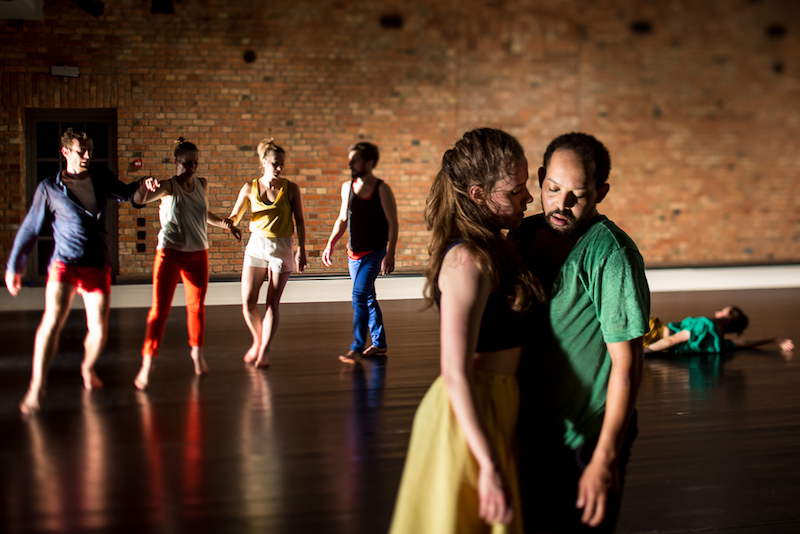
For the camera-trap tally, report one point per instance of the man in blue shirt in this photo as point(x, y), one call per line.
point(73, 202)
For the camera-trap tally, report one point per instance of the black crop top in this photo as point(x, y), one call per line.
point(501, 327)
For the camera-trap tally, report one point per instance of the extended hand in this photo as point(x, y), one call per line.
point(593, 488)
point(785, 344)
point(151, 184)
point(13, 283)
point(387, 265)
point(235, 232)
point(326, 255)
point(300, 260)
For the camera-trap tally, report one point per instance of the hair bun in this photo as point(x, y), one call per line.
point(180, 140)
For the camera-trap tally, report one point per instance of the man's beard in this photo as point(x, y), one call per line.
point(567, 229)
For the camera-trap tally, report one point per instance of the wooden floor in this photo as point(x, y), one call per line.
point(311, 446)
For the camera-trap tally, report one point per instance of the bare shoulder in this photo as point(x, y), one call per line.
point(460, 258)
point(345, 192)
point(386, 195)
point(461, 272)
point(292, 187)
point(168, 185)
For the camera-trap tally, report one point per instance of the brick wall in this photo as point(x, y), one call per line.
point(698, 102)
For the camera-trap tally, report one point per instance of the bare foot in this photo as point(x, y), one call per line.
point(262, 361)
point(372, 350)
point(351, 357)
point(90, 380)
point(30, 403)
point(143, 376)
point(200, 367)
point(251, 355)
point(142, 379)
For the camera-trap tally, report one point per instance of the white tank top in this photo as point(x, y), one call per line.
point(183, 219)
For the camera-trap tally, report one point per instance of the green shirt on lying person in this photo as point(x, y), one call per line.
point(703, 336)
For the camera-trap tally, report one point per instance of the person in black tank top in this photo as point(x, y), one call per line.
point(369, 214)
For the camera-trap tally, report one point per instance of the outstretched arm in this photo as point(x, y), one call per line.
point(390, 211)
point(339, 226)
point(599, 477)
point(300, 222)
point(668, 342)
point(151, 189)
point(215, 220)
point(465, 290)
point(785, 344)
point(242, 202)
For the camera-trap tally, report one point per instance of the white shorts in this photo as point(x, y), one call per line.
point(274, 253)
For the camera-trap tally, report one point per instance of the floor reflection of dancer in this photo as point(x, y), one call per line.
point(273, 201)
point(260, 457)
point(63, 498)
point(460, 473)
point(182, 253)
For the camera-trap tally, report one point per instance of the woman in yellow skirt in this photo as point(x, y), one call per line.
point(460, 474)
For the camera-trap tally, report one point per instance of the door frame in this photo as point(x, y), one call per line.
point(34, 116)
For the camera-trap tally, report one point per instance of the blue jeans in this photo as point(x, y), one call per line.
point(367, 318)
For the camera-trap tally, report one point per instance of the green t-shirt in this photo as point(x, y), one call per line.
point(600, 295)
point(703, 336)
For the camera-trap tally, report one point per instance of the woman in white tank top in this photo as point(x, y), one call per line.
point(182, 253)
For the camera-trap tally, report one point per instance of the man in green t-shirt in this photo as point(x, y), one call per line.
point(582, 367)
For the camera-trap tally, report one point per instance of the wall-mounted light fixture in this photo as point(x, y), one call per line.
point(64, 71)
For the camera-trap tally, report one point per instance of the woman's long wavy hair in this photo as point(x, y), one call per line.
point(481, 157)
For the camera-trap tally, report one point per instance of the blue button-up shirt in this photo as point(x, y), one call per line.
point(81, 238)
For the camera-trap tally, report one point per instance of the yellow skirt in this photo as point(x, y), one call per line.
point(439, 488)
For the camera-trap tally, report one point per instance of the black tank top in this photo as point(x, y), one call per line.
point(366, 222)
point(501, 327)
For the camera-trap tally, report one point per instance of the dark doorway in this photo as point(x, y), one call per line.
point(43, 129)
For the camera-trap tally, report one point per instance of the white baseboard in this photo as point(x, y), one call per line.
point(338, 289)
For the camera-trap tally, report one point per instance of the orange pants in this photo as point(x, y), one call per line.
point(171, 265)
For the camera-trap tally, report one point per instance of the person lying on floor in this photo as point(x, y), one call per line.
point(706, 334)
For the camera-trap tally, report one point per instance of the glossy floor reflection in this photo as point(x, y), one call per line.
point(313, 446)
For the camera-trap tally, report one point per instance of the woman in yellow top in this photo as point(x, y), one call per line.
point(273, 200)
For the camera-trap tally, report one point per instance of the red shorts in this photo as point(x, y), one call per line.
point(86, 279)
